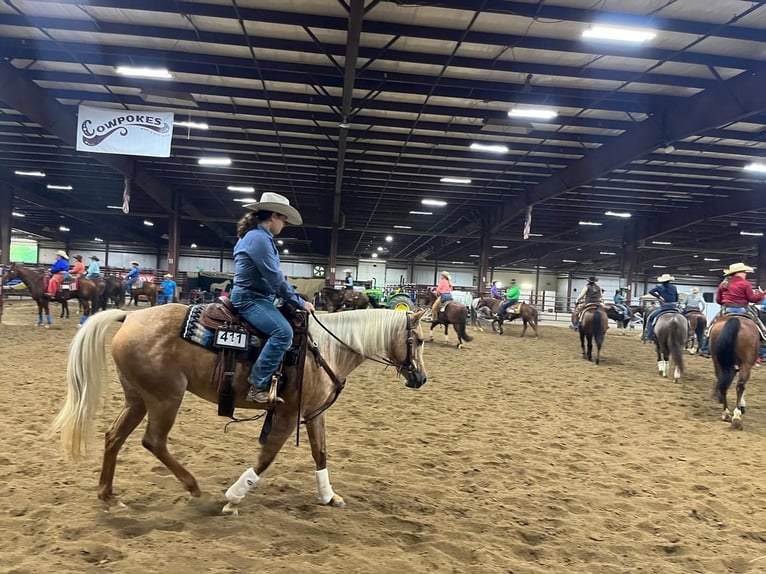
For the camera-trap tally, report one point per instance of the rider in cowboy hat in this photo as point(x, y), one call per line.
point(443, 292)
point(694, 301)
point(735, 294)
point(78, 268)
point(258, 280)
point(57, 270)
point(588, 296)
point(168, 287)
point(94, 271)
point(132, 276)
point(511, 298)
point(667, 294)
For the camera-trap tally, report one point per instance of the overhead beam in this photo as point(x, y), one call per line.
point(26, 97)
point(731, 101)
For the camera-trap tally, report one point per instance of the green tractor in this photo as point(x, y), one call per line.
point(396, 301)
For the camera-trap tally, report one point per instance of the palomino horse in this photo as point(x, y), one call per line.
point(734, 345)
point(87, 292)
point(455, 314)
point(671, 330)
point(593, 325)
point(148, 289)
point(156, 368)
point(336, 300)
point(697, 325)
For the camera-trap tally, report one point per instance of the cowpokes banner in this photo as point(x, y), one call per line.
point(101, 130)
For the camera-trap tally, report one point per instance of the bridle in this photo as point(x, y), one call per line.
point(407, 365)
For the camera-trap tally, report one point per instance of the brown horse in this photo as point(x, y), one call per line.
point(455, 314)
point(148, 289)
point(734, 344)
point(336, 300)
point(156, 368)
point(593, 325)
point(697, 325)
point(671, 331)
point(528, 315)
point(87, 292)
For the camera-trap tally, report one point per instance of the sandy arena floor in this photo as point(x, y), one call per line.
point(516, 457)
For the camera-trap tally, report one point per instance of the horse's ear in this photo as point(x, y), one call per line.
point(416, 317)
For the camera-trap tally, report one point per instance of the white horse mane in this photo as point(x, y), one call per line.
point(368, 331)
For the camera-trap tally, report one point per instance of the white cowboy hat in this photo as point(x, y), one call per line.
point(278, 204)
point(665, 277)
point(135, 263)
point(347, 271)
point(737, 268)
point(63, 254)
point(446, 274)
point(168, 275)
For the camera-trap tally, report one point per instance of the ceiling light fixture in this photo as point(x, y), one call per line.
point(753, 233)
point(374, 255)
point(193, 246)
point(380, 249)
point(568, 261)
point(148, 223)
point(60, 187)
point(98, 240)
point(607, 253)
point(436, 202)
point(280, 242)
point(114, 207)
point(242, 188)
point(389, 239)
point(494, 148)
point(455, 180)
point(402, 227)
point(17, 214)
point(713, 259)
point(421, 213)
point(499, 247)
point(623, 214)
point(30, 173)
point(224, 161)
point(536, 235)
point(63, 228)
point(243, 199)
point(594, 223)
point(532, 113)
point(285, 251)
point(192, 125)
point(137, 72)
point(660, 266)
point(474, 255)
point(636, 35)
point(661, 243)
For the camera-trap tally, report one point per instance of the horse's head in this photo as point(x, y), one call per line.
point(407, 351)
point(12, 272)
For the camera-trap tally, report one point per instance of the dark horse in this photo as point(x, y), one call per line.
point(114, 291)
point(734, 344)
point(616, 315)
point(527, 312)
point(593, 325)
point(671, 332)
point(148, 289)
point(87, 292)
point(156, 368)
point(697, 325)
point(336, 300)
point(455, 314)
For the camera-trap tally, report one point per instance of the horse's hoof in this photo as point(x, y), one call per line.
point(736, 423)
point(336, 502)
point(230, 509)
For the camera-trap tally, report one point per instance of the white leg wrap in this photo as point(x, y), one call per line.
point(677, 374)
point(245, 483)
point(324, 488)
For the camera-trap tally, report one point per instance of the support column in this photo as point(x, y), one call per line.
point(485, 276)
point(629, 267)
point(333, 267)
point(6, 209)
point(537, 280)
point(174, 235)
point(106, 253)
point(760, 272)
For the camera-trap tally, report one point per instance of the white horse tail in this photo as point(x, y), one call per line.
point(86, 377)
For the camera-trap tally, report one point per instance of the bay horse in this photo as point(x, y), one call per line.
point(148, 289)
point(455, 314)
point(337, 300)
point(156, 368)
point(734, 345)
point(697, 325)
point(87, 292)
point(482, 309)
point(528, 314)
point(616, 315)
point(593, 325)
point(671, 331)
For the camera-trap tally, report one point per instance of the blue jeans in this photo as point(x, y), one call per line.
point(652, 318)
point(505, 305)
point(129, 285)
point(261, 313)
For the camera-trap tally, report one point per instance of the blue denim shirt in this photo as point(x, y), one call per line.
point(133, 273)
point(256, 268)
point(60, 265)
point(665, 291)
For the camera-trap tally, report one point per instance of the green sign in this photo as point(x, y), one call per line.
point(24, 252)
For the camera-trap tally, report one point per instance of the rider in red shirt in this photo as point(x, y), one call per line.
point(735, 290)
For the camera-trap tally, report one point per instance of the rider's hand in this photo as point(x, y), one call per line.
point(308, 306)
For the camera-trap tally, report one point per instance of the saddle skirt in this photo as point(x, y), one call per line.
point(741, 312)
point(586, 307)
point(514, 309)
point(202, 321)
point(67, 284)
